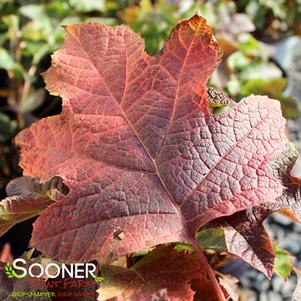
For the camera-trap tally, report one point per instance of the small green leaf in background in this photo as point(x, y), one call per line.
point(212, 239)
point(238, 61)
point(260, 70)
point(209, 239)
point(283, 262)
point(6, 61)
point(32, 100)
point(233, 85)
point(88, 5)
point(248, 44)
point(183, 247)
point(8, 127)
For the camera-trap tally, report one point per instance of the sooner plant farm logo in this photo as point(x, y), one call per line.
point(10, 272)
point(19, 269)
point(52, 279)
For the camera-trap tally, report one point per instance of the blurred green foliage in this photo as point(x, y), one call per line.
point(284, 262)
point(31, 30)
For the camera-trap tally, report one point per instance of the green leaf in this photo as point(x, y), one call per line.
point(6, 61)
point(238, 60)
point(33, 100)
point(8, 127)
point(248, 44)
point(32, 11)
point(183, 247)
point(260, 70)
point(233, 85)
point(212, 239)
point(88, 5)
point(283, 262)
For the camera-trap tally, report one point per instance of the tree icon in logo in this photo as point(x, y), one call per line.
point(10, 272)
point(99, 279)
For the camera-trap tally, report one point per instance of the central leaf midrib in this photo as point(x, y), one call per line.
point(174, 203)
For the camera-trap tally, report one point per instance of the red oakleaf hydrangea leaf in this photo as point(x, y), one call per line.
point(26, 198)
point(246, 237)
point(164, 274)
point(144, 159)
point(251, 241)
point(289, 202)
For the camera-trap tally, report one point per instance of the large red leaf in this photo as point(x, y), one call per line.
point(246, 237)
point(164, 272)
point(138, 148)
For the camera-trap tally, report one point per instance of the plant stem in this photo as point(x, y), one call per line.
point(219, 295)
point(15, 40)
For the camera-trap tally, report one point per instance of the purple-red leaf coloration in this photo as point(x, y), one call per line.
point(163, 272)
point(246, 237)
point(27, 198)
point(145, 161)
